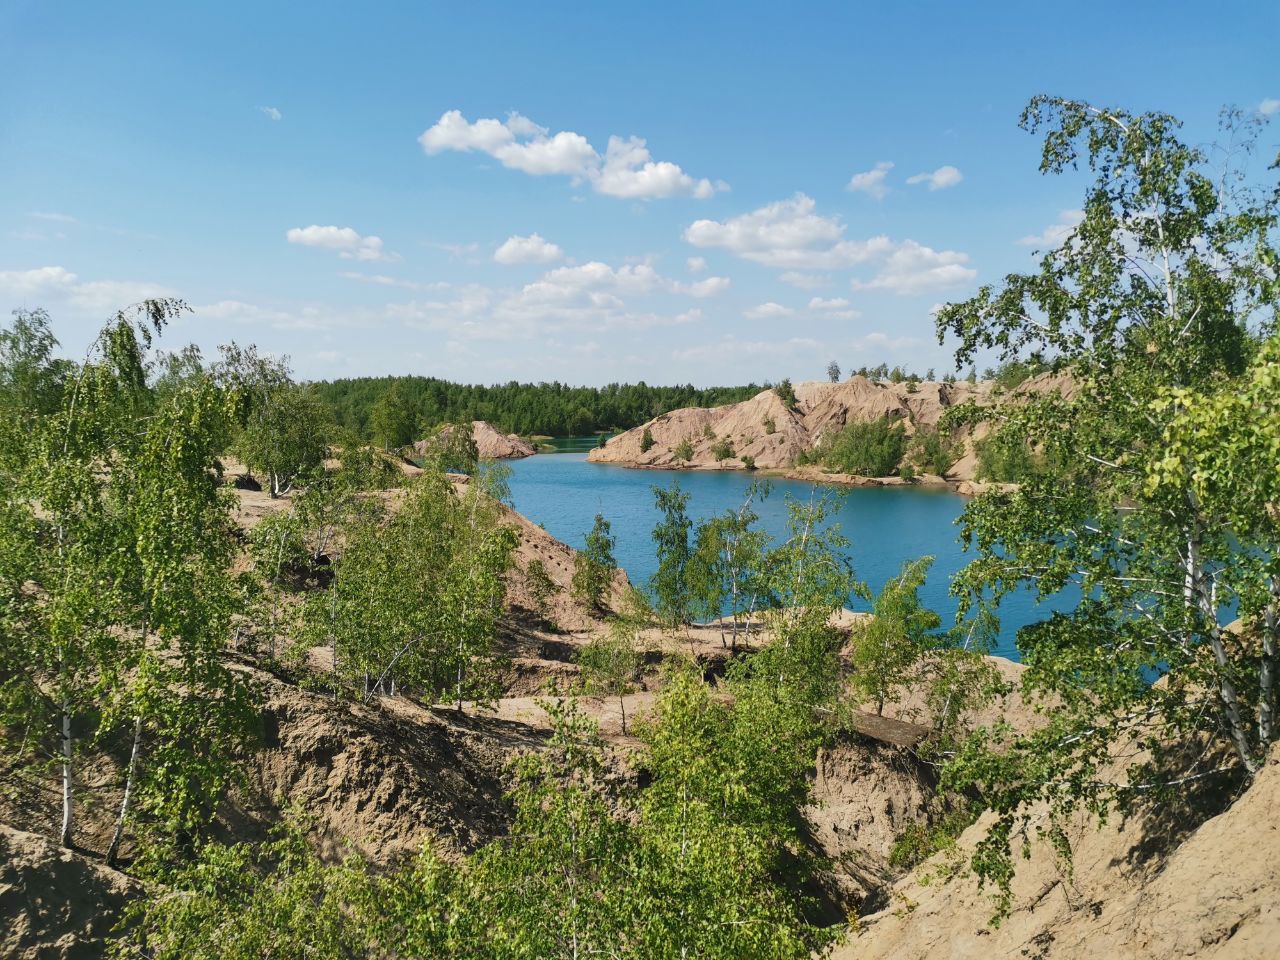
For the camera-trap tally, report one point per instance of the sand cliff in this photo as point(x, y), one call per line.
point(767, 433)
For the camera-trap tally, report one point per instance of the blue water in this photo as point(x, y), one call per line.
point(887, 526)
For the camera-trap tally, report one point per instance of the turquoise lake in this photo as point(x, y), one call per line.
point(887, 526)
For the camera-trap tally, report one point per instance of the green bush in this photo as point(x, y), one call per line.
point(722, 449)
point(646, 441)
point(932, 451)
point(749, 461)
point(769, 425)
point(871, 449)
point(919, 841)
point(1006, 459)
point(683, 451)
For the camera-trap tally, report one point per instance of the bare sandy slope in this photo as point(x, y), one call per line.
point(491, 443)
point(1188, 880)
point(772, 435)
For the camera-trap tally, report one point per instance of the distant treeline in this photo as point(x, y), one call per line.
point(552, 409)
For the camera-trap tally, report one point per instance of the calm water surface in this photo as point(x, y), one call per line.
point(887, 526)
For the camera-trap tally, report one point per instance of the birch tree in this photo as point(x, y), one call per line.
point(1159, 509)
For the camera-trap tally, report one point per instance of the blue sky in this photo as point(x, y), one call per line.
point(431, 188)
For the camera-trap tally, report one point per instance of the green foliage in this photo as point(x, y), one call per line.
point(748, 461)
point(416, 596)
point(726, 570)
point(1006, 457)
point(921, 840)
point(885, 650)
point(683, 451)
point(283, 435)
point(540, 586)
point(769, 426)
point(594, 565)
point(932, 451)
point(245, 902)
point(610, 664)
point(115, 553)
point(722, 449)
point(1155, 510)
point(545, 409)
point(393, 420)
point(786, 393)
point(833, 372)
point(31, 377)
point(646, 440)
point(669, 583)
point(872, 448)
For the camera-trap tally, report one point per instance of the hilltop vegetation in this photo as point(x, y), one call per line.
point(363, 404)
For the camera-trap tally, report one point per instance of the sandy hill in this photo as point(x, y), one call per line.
point(772, 435)
point(491, 444)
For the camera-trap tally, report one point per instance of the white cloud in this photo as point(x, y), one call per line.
point(913, 268)
point(730, 348)
point(704, 288)
point(382, 280)
point(40, 281)
point(787, 234)
point(255, 315)
point(627, 169)
point(349, 244)
point(1055, 233)
point(768, 311)
point(939, 179)
point(1269, 106)
point(696, 264)
point(871, 181)
point(52, 217)
point(59, 284)
point(805, 281)
point(835, 303)
point(271, 113)
point(530, 249)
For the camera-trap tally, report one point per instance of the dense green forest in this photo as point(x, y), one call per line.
point(529, 409)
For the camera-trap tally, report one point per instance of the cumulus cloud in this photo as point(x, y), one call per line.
point(914, 268)
point(626, 169)
point(1055, 233)
point(939, 179)
point(1269, 106)
point(871, 181)
point(787, 234)
point(60, 285)
point(271, 113)
point(696, 264)
point(704, 288)
point(530, 249)
point(805, 281)
point(349, 244)
point(835, 303)
point(768, 311)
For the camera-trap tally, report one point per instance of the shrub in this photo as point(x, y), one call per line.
point(1006, 459)
point(786, 393)
point(769, 425)
point(646, 441)
point(708, 432)
point(871, 449)
point(749, 462)
point(722, 449)
point(932, 451)
point(683, 451)
point(919, 841)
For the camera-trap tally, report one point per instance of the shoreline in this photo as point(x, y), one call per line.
point(928, 481)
